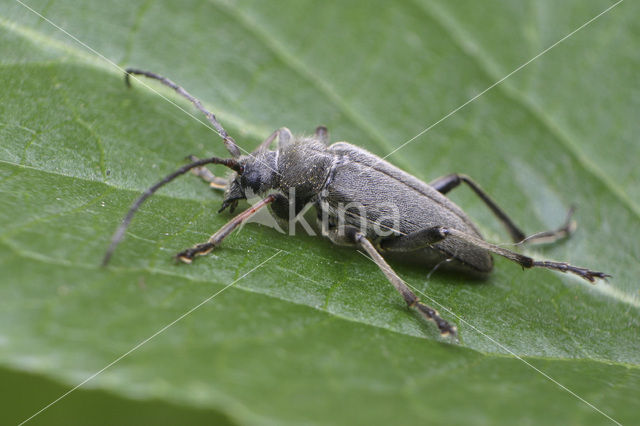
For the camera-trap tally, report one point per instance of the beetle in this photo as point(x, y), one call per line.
point(427, 226)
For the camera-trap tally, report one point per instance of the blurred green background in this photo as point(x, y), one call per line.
point(316, 335)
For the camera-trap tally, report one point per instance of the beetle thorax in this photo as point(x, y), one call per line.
point(303, 166)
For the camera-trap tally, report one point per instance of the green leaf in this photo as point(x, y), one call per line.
point(316, 334)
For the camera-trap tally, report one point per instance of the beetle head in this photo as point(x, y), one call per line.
point(258, 176)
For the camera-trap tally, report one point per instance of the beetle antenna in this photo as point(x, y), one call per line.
point(229, 143)
point(119, 234)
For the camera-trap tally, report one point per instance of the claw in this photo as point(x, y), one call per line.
point(187, 255)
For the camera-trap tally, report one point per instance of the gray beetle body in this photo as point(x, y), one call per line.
point(355, 193)
point(342, 174)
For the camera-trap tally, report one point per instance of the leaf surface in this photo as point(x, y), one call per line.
point(316, 334)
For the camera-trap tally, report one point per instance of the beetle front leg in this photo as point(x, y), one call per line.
point(206, 175)
point(216, 239)
point(409, 296)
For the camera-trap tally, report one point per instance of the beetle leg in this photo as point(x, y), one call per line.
point(525, 261)
point(449, 182)
point(428, 236)
point(413, 241)
point(548, 237)
point(284, 136)
point(206, 175)
point(267, 142)
point(119, 234)
point(409, 296)
point(204, 248)
point(322, 134)
point(446, 183)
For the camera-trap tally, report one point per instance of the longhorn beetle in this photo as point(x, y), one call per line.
point(427, 226)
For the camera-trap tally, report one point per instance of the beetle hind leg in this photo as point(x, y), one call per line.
point(548, 237)
point(429, 236)
point(449, 182)
point(522, 260)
